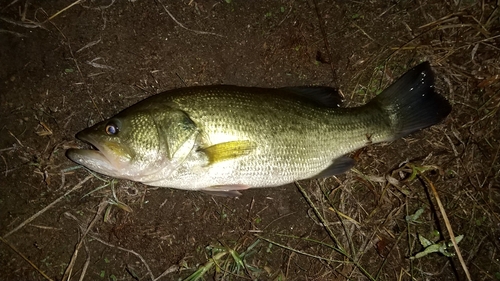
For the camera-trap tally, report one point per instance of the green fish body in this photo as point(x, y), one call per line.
point(222, 139)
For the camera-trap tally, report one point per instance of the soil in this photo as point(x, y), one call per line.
point(61, 73)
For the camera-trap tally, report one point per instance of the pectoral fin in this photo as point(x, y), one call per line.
point(339, 166)
point(228, 150)
point(226, 190)
point(229, 193)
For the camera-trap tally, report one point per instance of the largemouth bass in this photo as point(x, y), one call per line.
point(222, 139)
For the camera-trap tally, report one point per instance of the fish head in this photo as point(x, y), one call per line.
point(126, 146)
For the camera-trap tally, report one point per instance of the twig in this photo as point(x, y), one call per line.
point(87, 261)
point(128, 251)
point(6, 165)
point(63, 179)
point(338, 247)
point(30, 219)
point(89, 45)
point(181, 25)
point(491, 167)
point(364, 33)
point(45, 227)
point(325, 41)
point(18, 141)
point(8, 148)
point(13, 33)
point(286, 16)
point(295, 250)
point(89, 92)
point(448, 226)
point(169, 270)
point(443, 19)
point(26, 259)
point(100, 8)
point(320, 218)
point(61, 11)
point(26, 25)
point(452, 145)
point(69, 268)
point(11, 3)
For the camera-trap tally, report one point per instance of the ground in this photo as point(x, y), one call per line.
point(67, 65)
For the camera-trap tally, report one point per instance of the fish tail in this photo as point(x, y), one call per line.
point(411, 102)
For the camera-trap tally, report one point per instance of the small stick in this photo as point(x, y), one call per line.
point(87, 262)
point(6, 166)
point(128, 251)
point(26, 25)
point(338, 247)
point(30, 219)
point(26, 259)
point(18, 141)
point(69, 268)
point(13, 33)
point(169, 270)
point(181, 25)
point(325, 41)
point(61, 11)
point(11, 3)
point(8, 148)
point(448, 226)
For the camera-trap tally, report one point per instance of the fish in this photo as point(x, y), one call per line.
point(222, 139)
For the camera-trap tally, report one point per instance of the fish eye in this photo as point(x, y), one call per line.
point(111, 129)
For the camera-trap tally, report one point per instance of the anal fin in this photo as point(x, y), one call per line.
point(339, 166)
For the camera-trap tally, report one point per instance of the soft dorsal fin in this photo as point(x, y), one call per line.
point(319, 95)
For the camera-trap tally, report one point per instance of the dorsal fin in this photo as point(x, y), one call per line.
point(319, 95)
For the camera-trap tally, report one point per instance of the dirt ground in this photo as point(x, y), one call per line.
point(64, 67)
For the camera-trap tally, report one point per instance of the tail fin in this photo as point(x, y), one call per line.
point(411, 101)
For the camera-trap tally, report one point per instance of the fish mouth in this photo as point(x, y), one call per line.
point(98, 158)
